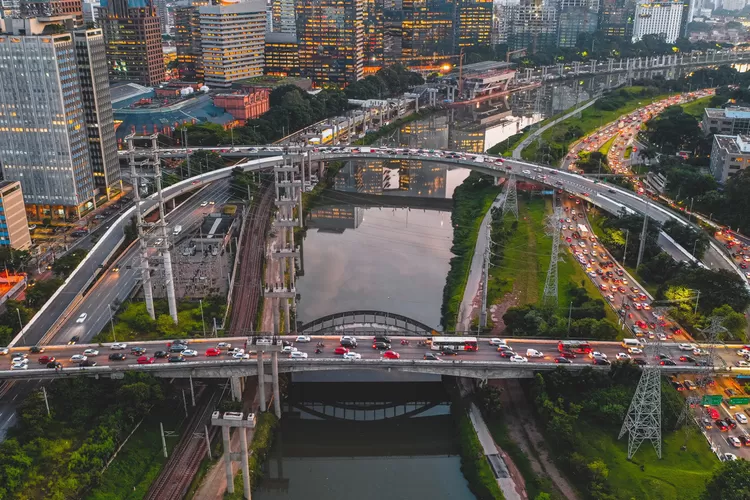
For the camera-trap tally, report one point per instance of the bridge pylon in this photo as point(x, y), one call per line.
point(549, 298)
point(510, 202)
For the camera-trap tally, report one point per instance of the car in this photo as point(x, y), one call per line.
point(640, 361)
point(352, 356)
point(204, 204)
point(567, 354)
point(721, 425)
point(82, 318)
point(241, 354)
point(213, 351)
point(381, 345)
point(182, 347)
point(74, 339)
point(77, 358)
point(744, 439)
point(137, 351)
point(496, 341)
point(381, 338)
point(223, 345)
point(505, 354)
point(431, 356)
point(635, 350)
point(741, 363)
point(623, 356)
point(36, 349)
point(730, 392)
point(302, 338)
point(391, 355)
point(43, 360)
point(4, 351)
point(118, 356)
point(677, 385)
point(18, 365)
point(340, 350)
point(741, 418)
point(728, 457)
point(118, 346)
point(732, 423)
point(191, 353)
point(689, 384)
point(667, 362)
point(597, 354)
point(743, 352)
point(713, 413)
point(298, 355)
point(601, 361)
point(533, 353)
point(145, 360)
point(562, 360)
point(91, 352)
point(161, 354)
point(349, 342)
point(732, 440)
point(287, 349)
point(518, 359)
point(84, 364)
point(707, 424)
point(687, 359)
point(176, 358)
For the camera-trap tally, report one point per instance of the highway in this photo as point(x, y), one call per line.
point(117, 286)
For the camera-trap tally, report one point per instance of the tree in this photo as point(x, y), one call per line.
point(729, 481)
point(41, 291)
point(734, 322)
point(716, 289)
point(67, 263)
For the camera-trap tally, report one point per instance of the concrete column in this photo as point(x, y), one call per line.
point(287, 319)
point(227, 459)
point(276, 391)
point(236, 388)
point(261, 382)
point(245, 465)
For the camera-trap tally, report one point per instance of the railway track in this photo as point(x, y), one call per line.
point(178, 472)
point(247, 294)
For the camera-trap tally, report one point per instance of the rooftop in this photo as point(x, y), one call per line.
point(731, 112)
point(215, 225)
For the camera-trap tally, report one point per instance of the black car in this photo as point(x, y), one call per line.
point(687, 359)
point(35, 349)
point(161, 354)
point(117, 356)
point(744, 440)
point(507, 354)
point(730, 392)
point(137, 351)
point(176, 358)
point(351, 343)
point(668, 362)
point(177, 347)
point(731, 422)
point(448, 351)
point(640, 361)
point(601, 361)
point(678, 385)
point(562, 360)
point(504, 348)
point(382, 338)
point(88, 362)
point(430, 356)
point(381, 345)
point(53, 364)
point(74, 339)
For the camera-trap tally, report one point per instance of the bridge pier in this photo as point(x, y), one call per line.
point(227, 422)
point(244, 463)
point(261, 382)
point(275, 378)
point(236, 386)
point(227, 458)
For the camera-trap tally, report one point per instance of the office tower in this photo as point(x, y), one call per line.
point(132, 31)
point(658, 18)
point(283, 17)
point(53, 8)
point(331, 41)
point(575, 17)
point(533, 26)
point(162, 11)
point(187, 39)
point(616, 18)
point(10, 8)
point(374, 31)
point(501, 23)
point(14, 226)
point(232, 41)
point(281, 55)
point(91, 11)
point(43, 133)
point(428, 28)
point(91, 56)
point(473, 26)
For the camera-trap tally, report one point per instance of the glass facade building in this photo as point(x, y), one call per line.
point(187, 40)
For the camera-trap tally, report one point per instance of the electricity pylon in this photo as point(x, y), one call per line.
point(712, 337)
point(510, 203)
point(549, 298)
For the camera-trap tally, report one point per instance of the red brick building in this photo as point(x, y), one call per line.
point(244, 106)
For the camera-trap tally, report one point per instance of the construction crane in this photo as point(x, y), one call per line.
point(510, 53)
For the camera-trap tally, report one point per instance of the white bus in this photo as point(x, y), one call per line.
point(456, 343)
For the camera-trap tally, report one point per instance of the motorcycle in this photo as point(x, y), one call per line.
point(404, 342)
point(318, 350)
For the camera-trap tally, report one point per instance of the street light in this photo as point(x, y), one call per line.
point(111, 322)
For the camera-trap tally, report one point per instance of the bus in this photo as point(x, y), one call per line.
point(456, 343)
point(579, 346)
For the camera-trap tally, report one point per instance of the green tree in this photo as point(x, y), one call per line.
point(734, 322)
point(67, 263)
point(42, 290)
point(729, 481)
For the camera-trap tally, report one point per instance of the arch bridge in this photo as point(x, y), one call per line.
point(375, 321)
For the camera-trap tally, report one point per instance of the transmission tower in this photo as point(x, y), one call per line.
point(643, 420)
point(510, 203)
point(712, 334)
point(549, 298)
point(644, 234)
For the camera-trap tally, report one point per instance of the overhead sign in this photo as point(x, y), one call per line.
point(739, 400)
point(711, 400)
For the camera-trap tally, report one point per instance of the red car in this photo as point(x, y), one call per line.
point(340, 351)
point(213, 351)
point(43, 360)
point(567, 354)
point(713, 413)
point(641, 324)
point(391, 355)
point(145, 360)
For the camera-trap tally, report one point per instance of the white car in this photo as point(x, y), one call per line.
point(19, 366)
point(533, 353)
point(741, 418)
point(300, 355)
point(348, 337)
point(498, 342)
point(3, 351)
point(288, 349)
point(743, 352)
point(527, 172)
point(204, 203)
point(82, 318)
point(158, 242)
point(223, 345)
point(302, 338)
point(117, 346)
point(190, 353)
point(239, 355)
point(90, 352)
point(19, 356)
point(662, 336)
point(597, 354)
point(623, 356)
point(742, 363)
point(77, 358)
point(635, 350)
point(352, 355)
point(518, 359)
point(687, 347)
point(734, 441)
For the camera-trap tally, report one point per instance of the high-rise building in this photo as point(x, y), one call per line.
point(576, 17)
point(91, 11)
point(473, 26)
point(162, 10)
point(616, 18)
point(232, 41)
point(283, 17)
point(533, 26)
point(658, 18)
point(43, 133)
point(187, 40)
point(132, 31)
point(14, 226)
point(10, 8)
point(53, 8)
point(374, 31)
point(331, 40)
point(428, 28)
point(281, 55)
point(91, 55)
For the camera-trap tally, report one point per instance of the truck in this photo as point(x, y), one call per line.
point(177, 230)
point(583, 231)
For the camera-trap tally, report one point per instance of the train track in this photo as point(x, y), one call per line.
point(178, 472)
point(247, 294)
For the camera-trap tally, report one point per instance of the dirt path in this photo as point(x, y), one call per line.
point(524, 431)
point(497, 311)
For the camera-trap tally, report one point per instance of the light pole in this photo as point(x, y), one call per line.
point(111, 322)
point(202, 318)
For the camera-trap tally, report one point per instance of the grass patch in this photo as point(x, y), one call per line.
point(474, 465)
point(265, 431)
point(628, 152)
point(136, 467)
point(697, 106)
point(607, 145)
